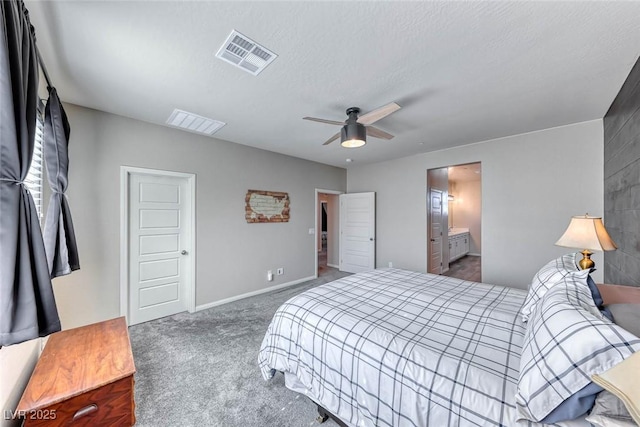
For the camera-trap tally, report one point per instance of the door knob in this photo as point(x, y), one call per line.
point(371, 238)
point(184, 252)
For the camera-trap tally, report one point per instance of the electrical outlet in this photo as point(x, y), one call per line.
point(269, 276)
point(390, 264)
point(280, 271)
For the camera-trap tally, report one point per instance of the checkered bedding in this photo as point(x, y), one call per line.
point(398, 348)
point(566, 342)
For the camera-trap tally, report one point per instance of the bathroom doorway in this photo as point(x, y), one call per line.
point(461, 254)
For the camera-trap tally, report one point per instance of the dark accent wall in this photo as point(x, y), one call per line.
point(622, 183)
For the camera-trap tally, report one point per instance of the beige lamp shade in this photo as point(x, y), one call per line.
point(587, 232)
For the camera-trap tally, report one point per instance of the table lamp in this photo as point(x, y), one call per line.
point(587, 233)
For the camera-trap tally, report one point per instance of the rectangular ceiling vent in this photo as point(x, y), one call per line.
point(193, 122)
point(244, 53)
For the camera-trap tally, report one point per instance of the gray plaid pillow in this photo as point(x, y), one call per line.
point(552, 273)
point(566, 341)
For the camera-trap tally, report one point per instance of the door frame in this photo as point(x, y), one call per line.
point(315, 225)
point(125, 176)
point(446, 205)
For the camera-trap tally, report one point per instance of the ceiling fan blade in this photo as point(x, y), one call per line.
point(333, 138)
point(379, 113)
point(331, 122)
point(378, 133)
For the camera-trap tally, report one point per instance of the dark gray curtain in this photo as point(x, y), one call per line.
point(27, 304)
point(59, 237)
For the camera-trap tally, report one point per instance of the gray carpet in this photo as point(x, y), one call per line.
point(201, 369)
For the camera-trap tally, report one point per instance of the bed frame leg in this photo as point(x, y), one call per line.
point(322, 415)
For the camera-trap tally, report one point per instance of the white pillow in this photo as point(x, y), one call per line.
point(566, 341)
point(552, 273)
point(609, 411)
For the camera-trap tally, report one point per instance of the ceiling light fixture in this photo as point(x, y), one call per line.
point(353, 134)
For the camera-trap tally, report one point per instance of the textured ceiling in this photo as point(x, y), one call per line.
point(462, 71)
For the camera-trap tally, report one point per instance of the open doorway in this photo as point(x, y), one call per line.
point(459, 220)
point(326, 250)
point(322, 246)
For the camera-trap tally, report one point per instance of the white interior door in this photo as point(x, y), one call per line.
point(159, 243)
point(357, 232)
point(435, 231)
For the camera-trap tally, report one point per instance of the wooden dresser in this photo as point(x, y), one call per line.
point(84, 377)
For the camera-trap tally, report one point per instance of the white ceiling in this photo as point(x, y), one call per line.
point(462, 71)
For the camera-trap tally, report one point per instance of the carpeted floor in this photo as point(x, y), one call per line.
point(201, 369)
point(322, 260)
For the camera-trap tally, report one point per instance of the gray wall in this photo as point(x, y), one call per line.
point(16, 365)
point(622, 183)
point(531, 186)
point(232, 256)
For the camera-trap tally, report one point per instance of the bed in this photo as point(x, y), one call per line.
point(392, 347)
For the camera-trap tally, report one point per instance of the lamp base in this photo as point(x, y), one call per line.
point(586, 262)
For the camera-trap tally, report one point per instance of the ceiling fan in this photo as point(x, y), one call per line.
point(356, 128)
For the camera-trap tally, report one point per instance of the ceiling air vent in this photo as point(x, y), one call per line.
point(244, 53)
point(193, 122)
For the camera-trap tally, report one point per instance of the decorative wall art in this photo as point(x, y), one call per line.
point(266, 206)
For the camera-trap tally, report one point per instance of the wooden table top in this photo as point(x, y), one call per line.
point(617, 294)
point(78, 360)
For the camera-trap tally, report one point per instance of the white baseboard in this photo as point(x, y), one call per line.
point(473, 254)
point(333, 266)
point(250, 294)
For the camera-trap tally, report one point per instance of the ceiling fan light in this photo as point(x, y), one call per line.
point(353, 143)
point(353, 135)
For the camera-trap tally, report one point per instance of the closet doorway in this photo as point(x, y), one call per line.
point(327, 241)
point(157, 245)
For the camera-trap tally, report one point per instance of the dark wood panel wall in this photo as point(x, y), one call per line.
point(622, 183)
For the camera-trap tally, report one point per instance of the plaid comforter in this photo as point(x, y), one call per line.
point(398, 348)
